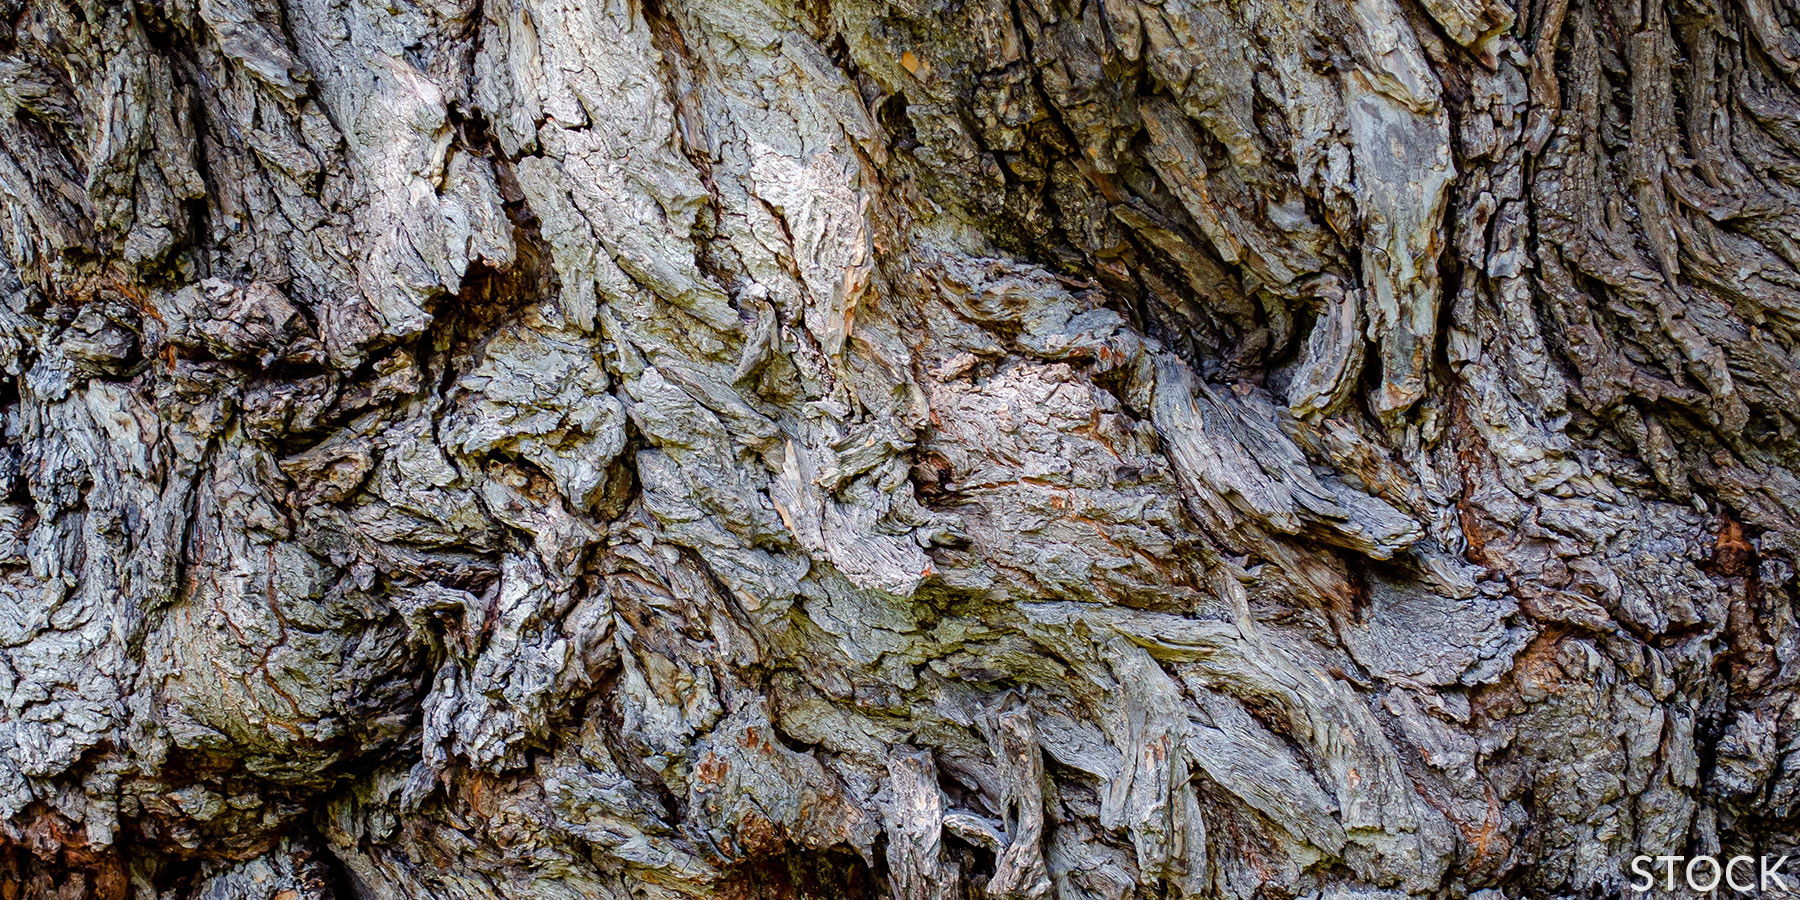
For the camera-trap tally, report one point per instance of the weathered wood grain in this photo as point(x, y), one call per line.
point(901, 448)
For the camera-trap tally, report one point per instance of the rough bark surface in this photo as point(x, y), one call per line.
point(928, 449)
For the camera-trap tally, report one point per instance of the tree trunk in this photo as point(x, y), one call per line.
point(928, 449)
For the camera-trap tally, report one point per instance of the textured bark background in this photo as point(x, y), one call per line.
point(923, 449)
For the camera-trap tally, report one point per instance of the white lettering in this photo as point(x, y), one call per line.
point(1731, 879)
point(1723, 875)
point(1773, 873)
point(1716, 874)
point(1669, 884)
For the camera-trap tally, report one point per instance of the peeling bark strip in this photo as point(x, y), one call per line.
point(929, 450)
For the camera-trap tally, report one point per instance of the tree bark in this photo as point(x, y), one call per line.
point(918, 449)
